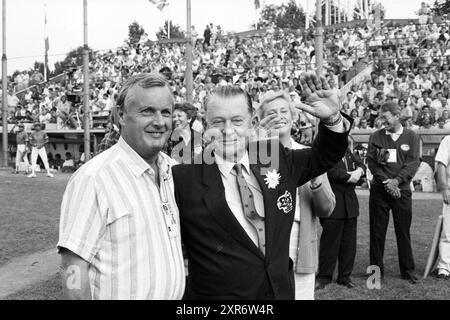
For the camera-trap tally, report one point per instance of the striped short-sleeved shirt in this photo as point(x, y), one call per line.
point(112, 217)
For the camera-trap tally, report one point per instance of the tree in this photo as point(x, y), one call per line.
point(135, 31)
point(73, 59)
point(175, 31)
point(439, 8)
point(285, 16)
point(358, 10)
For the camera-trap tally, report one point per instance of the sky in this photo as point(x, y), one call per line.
point(108, 22)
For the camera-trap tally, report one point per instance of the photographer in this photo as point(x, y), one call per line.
point(393, 159)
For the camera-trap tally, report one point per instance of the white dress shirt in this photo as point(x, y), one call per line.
point(233, 196)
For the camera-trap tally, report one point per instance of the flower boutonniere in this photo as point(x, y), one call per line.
point(272, 179)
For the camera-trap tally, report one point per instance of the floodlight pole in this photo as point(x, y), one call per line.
point(87, 113)
point(319, 38)
point(4, 90)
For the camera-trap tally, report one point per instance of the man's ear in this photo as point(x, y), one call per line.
point(255, 120)
point(121, 114)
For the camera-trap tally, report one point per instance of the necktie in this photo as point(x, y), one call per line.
point(249, 208)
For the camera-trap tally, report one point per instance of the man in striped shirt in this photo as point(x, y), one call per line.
point(119, 228)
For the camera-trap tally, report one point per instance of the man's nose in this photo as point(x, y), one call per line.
point(158, 119)
point(227, 128)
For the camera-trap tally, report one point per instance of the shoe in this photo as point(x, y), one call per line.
point(50, 175)
point(33, 175)
point(321, 284)
point(410, 276)
point(15, 172)
point(442, 275)
point(348, 283)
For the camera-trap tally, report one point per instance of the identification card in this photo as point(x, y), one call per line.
point(171, 222)
point(392, 156)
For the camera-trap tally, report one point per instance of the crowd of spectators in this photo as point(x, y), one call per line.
point(410, 66)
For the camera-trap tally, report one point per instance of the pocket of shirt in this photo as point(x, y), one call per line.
point(114, 215)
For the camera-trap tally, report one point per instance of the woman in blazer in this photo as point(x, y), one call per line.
point(314, 199)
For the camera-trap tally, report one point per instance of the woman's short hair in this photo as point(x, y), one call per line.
point(187, 108)
point(270, 96)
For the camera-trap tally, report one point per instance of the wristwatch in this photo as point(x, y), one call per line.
point(334, 122)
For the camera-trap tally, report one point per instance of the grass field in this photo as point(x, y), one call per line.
point(29, 222)
point(29, 213)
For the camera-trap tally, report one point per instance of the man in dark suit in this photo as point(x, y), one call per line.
point(338, 240)
point(237, 206)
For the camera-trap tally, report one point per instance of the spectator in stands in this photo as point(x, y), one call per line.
point(57, 162)
point(355, 116)
point(112, 134)
point(12, 99)
point(363, 124)
point(207, 36)
point(45, 117)
point(68, 165)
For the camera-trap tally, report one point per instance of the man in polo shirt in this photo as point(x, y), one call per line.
point(119, 231)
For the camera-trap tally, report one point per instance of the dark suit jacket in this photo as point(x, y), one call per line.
point(224, 263)
point(347, 205)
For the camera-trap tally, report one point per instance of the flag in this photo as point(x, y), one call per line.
point(257, 4)
point(160, 4)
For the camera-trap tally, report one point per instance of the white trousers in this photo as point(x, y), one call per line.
point(35, 152)
point(304, 286)
point(21, 154)
point(444, 243)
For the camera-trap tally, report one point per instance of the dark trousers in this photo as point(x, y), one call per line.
point(380, 202)
point(337, 243)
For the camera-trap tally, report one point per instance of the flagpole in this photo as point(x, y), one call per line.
point(349, 11)
point(45, 43)
point(188, 74)
point(307, 15)
point(338, 11)
point(168, 23)
point(87, 124)
point(4, 89)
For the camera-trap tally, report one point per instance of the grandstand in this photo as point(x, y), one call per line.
point(260, 60)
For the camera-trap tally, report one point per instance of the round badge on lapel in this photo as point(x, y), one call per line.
point(405, 147)
point(285, 202)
